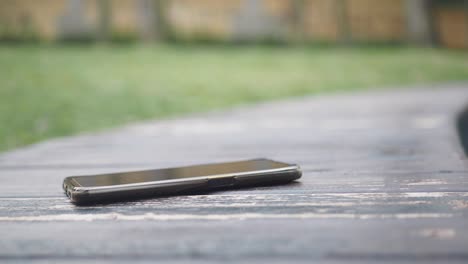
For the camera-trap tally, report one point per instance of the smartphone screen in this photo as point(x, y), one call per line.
point(179, 173)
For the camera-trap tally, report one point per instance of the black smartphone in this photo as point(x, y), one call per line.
point(171, 181)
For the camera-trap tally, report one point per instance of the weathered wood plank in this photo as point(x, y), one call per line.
point(246, 205)
point(254, 240)
point(48, 182)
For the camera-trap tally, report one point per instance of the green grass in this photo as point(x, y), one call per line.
point(49, 91)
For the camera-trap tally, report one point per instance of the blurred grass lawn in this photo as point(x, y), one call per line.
point(48, 91)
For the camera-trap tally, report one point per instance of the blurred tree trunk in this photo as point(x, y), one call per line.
point(152, 19)
point(298, 20)
point(418, 21)
point(465, 4)
point(73, 25)
point(104, 12)
point(146, 18)
point(160, 20)
point(343, 21)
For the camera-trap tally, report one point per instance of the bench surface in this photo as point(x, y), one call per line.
point(384, 179)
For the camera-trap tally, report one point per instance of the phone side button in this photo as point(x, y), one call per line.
point(221, 182)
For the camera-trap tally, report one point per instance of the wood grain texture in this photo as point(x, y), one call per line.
point(385, 180)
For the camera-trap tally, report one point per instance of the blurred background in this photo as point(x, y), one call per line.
point(68, 66)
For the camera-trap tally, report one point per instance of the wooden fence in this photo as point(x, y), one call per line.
point(394, 21)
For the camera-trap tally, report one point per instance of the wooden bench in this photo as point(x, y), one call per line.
point(385, 179)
